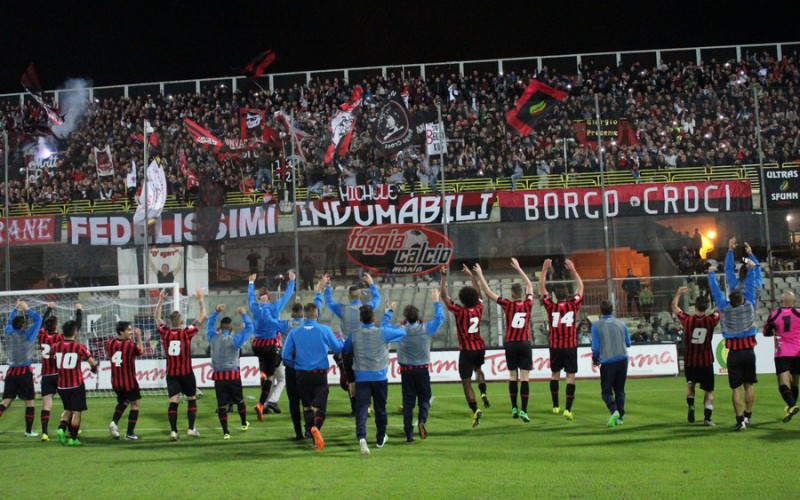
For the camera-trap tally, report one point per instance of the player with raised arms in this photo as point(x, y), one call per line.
point(71, 389)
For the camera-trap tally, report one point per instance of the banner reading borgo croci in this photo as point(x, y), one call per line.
point(626, 201)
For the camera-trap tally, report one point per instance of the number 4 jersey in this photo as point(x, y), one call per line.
point(122, 354)
point(563, 321)
point(698, 332)
point(178, 348)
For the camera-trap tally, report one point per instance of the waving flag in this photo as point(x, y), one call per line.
point(104, 161)
point(298, 136)
point(534, 104)
point(156, 195)
point(343, 124)
point(394, 131)
point(204, 138)
point(253, 126)
point(30, 81)
point(255, 68)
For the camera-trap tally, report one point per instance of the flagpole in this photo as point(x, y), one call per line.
point(764, 208)
point(444, 197)
point(146, 254)
point(6, 207)
point(601, 153)
point(295, 161)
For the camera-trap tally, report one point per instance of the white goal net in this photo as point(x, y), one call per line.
point(102, 308)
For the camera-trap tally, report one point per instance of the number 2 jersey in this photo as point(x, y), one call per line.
point(698, 332)
point(468, 326)
point(786, 322)
point(562, 318)
point(46, 342)
point(178, 349)
point(122, 354)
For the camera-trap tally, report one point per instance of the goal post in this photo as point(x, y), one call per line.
point(103, 307)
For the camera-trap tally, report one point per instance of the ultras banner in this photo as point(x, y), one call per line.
point(173, 227)
point(626, 201)
point(387, 207)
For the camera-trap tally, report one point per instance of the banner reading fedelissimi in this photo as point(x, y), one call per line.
point(634, 200)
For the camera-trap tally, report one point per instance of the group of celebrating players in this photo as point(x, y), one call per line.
point(295, 352)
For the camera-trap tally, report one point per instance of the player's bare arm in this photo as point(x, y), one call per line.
point(675, 308)
point(139, 342)
point(475, 284)
point(548, 263)
point(203, 316)
point(159, 305)
point(577, 277)
point(443, 288)
point(252, 277)
point(482, 280)
point(528, 285)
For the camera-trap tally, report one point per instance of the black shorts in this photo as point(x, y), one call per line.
point(741, 367)
point(347, 362)
point(703, 375)
point(74, 398)
point(49, 384)
point(19, 386)
point(789, 364)
point(469, 361)
point(128, 396)
point(564, 359)
point(228, 392)
point(269, 357)
point(313, 388)
point(183, 384)
point(519, 355)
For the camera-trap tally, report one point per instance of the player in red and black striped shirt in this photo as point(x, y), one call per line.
point(68, 355)
point(519, 356)
point(122, 353)
point(470, 343)
point(562, 316)
point(177, 344)
point(698, 360)
point(49, 336)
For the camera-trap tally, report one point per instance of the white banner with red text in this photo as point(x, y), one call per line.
point(645, 361)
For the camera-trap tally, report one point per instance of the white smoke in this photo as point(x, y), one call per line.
point(73, 103)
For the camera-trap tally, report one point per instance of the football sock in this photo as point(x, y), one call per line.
point(308, 416)
point(2, 409)
point(523, 393)
point(242, 407)
point(191, 412)
point(63, 425)
point(707, 412)
point(739, 419)
point(172, 413)
point(482, 388)
point(786, 394)
point(133, 416)
point(512, 392)
point(73, 431)
point(748, 415)
point(554, 392)
point(472, 405)
point(222, 413)
point(795, 393)
point(690, 401)
point(30, 412)
point(266, 385)
point(319, 418)
point(118, 411)
point(570, 396)
point(45, 417)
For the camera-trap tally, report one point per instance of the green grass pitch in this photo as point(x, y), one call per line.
point(656, 454)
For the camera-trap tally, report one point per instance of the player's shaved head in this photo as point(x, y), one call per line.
point(310, 311)
point(516, 291)
point(788, 299)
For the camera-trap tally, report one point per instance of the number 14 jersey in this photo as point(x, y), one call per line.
point(562, 318)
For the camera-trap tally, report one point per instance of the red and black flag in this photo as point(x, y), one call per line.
point(256, 67)
point(30, 81)
point(534, 104)
point(204, 138)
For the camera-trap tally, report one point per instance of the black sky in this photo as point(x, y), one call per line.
point(128, 42)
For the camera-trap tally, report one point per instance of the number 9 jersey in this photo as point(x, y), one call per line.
point(563, 321)
point(698, 332)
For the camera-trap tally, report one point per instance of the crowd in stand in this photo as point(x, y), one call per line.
point(682, 115)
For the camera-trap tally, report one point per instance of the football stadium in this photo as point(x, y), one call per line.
point(563, 274)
